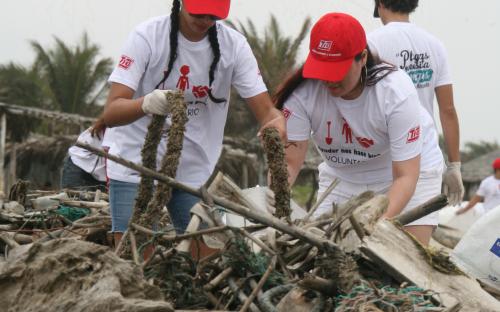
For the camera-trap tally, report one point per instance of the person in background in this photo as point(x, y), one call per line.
point(488, 192)
point(365, 119)
point(192, 51)
point(82, 169)
point(425, 60)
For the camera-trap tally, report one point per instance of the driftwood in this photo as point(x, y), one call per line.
point(397, 254)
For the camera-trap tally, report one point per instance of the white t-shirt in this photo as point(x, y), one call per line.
point(358, 139)
point(417, 52)
point(85, 159)
point(143, 62)
point(490, 191)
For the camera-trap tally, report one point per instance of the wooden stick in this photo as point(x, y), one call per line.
point(8, 240)
point(83, 204)
point(256, 240)
point(292, 230)
point(133, 245)
point(256, 290)
point(219, 278)
point(432, 205)
point(241, 295)
point(321, 199)
point(120, 244)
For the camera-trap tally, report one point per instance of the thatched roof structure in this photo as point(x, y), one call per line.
point(479, 168)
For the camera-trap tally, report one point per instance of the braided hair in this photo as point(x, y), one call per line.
point(174, 42)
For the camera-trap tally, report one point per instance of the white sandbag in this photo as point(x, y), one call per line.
point(478, 252)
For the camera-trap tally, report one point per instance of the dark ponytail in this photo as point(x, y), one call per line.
point(286, 89)
point(214, 43)
point(174, 33)
point(376, 69)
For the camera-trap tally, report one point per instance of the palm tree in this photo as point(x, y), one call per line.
point(276, 55)
point(21, 86)
point(75, 78)
point(67, 79)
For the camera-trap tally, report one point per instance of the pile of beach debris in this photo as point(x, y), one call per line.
point(58, 258)
point(242, 251)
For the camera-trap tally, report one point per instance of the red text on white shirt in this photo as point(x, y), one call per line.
point(125, 62)
point(413, 135)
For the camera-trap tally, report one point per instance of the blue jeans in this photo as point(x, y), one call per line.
point(122, 197)
point(75, 177)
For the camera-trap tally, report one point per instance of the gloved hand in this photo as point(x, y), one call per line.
point(156, 103)
point(453, 186)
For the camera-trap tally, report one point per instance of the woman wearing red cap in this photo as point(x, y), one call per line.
point(189, 51)
point(365, 119)
point(488, 191)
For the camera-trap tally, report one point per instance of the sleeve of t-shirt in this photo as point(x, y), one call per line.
point(404, 129)
point(246, 77)
point(482, 190)
point(132, 62)
point(297, 121)
point(444, 76)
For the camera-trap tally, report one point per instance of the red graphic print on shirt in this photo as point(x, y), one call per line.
point(286, 113)
point(200, 91)
point(125, 62)
point(346, 131)
point(366, 143)
point(183, 82)
point(329, 138)
point(413, 135)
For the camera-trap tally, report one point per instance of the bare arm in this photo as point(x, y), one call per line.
point(474, 200)
point(266, 114)
point(405, 176)
point(120, 108)
point(295, 154)
point(449, 121)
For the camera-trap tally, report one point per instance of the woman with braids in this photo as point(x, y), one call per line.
point(189, 51)
point(365, 119)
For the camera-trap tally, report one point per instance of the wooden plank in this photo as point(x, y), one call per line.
point(396, 253)
point(3, 129)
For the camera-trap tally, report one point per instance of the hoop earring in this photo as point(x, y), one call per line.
point(366, 75)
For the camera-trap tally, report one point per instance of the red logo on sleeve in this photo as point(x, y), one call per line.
point(125, 62)
point(286, 113)
point(413, 135)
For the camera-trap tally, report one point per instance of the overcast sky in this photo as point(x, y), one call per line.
point(469, 30)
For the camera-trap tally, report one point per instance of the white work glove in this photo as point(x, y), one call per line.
point(156, 103)
point(453, 186)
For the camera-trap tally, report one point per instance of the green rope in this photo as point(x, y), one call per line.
point(386, 298)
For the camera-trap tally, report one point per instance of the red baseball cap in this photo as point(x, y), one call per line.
point(496, 164)
point(219, 8)
point(335, 40)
